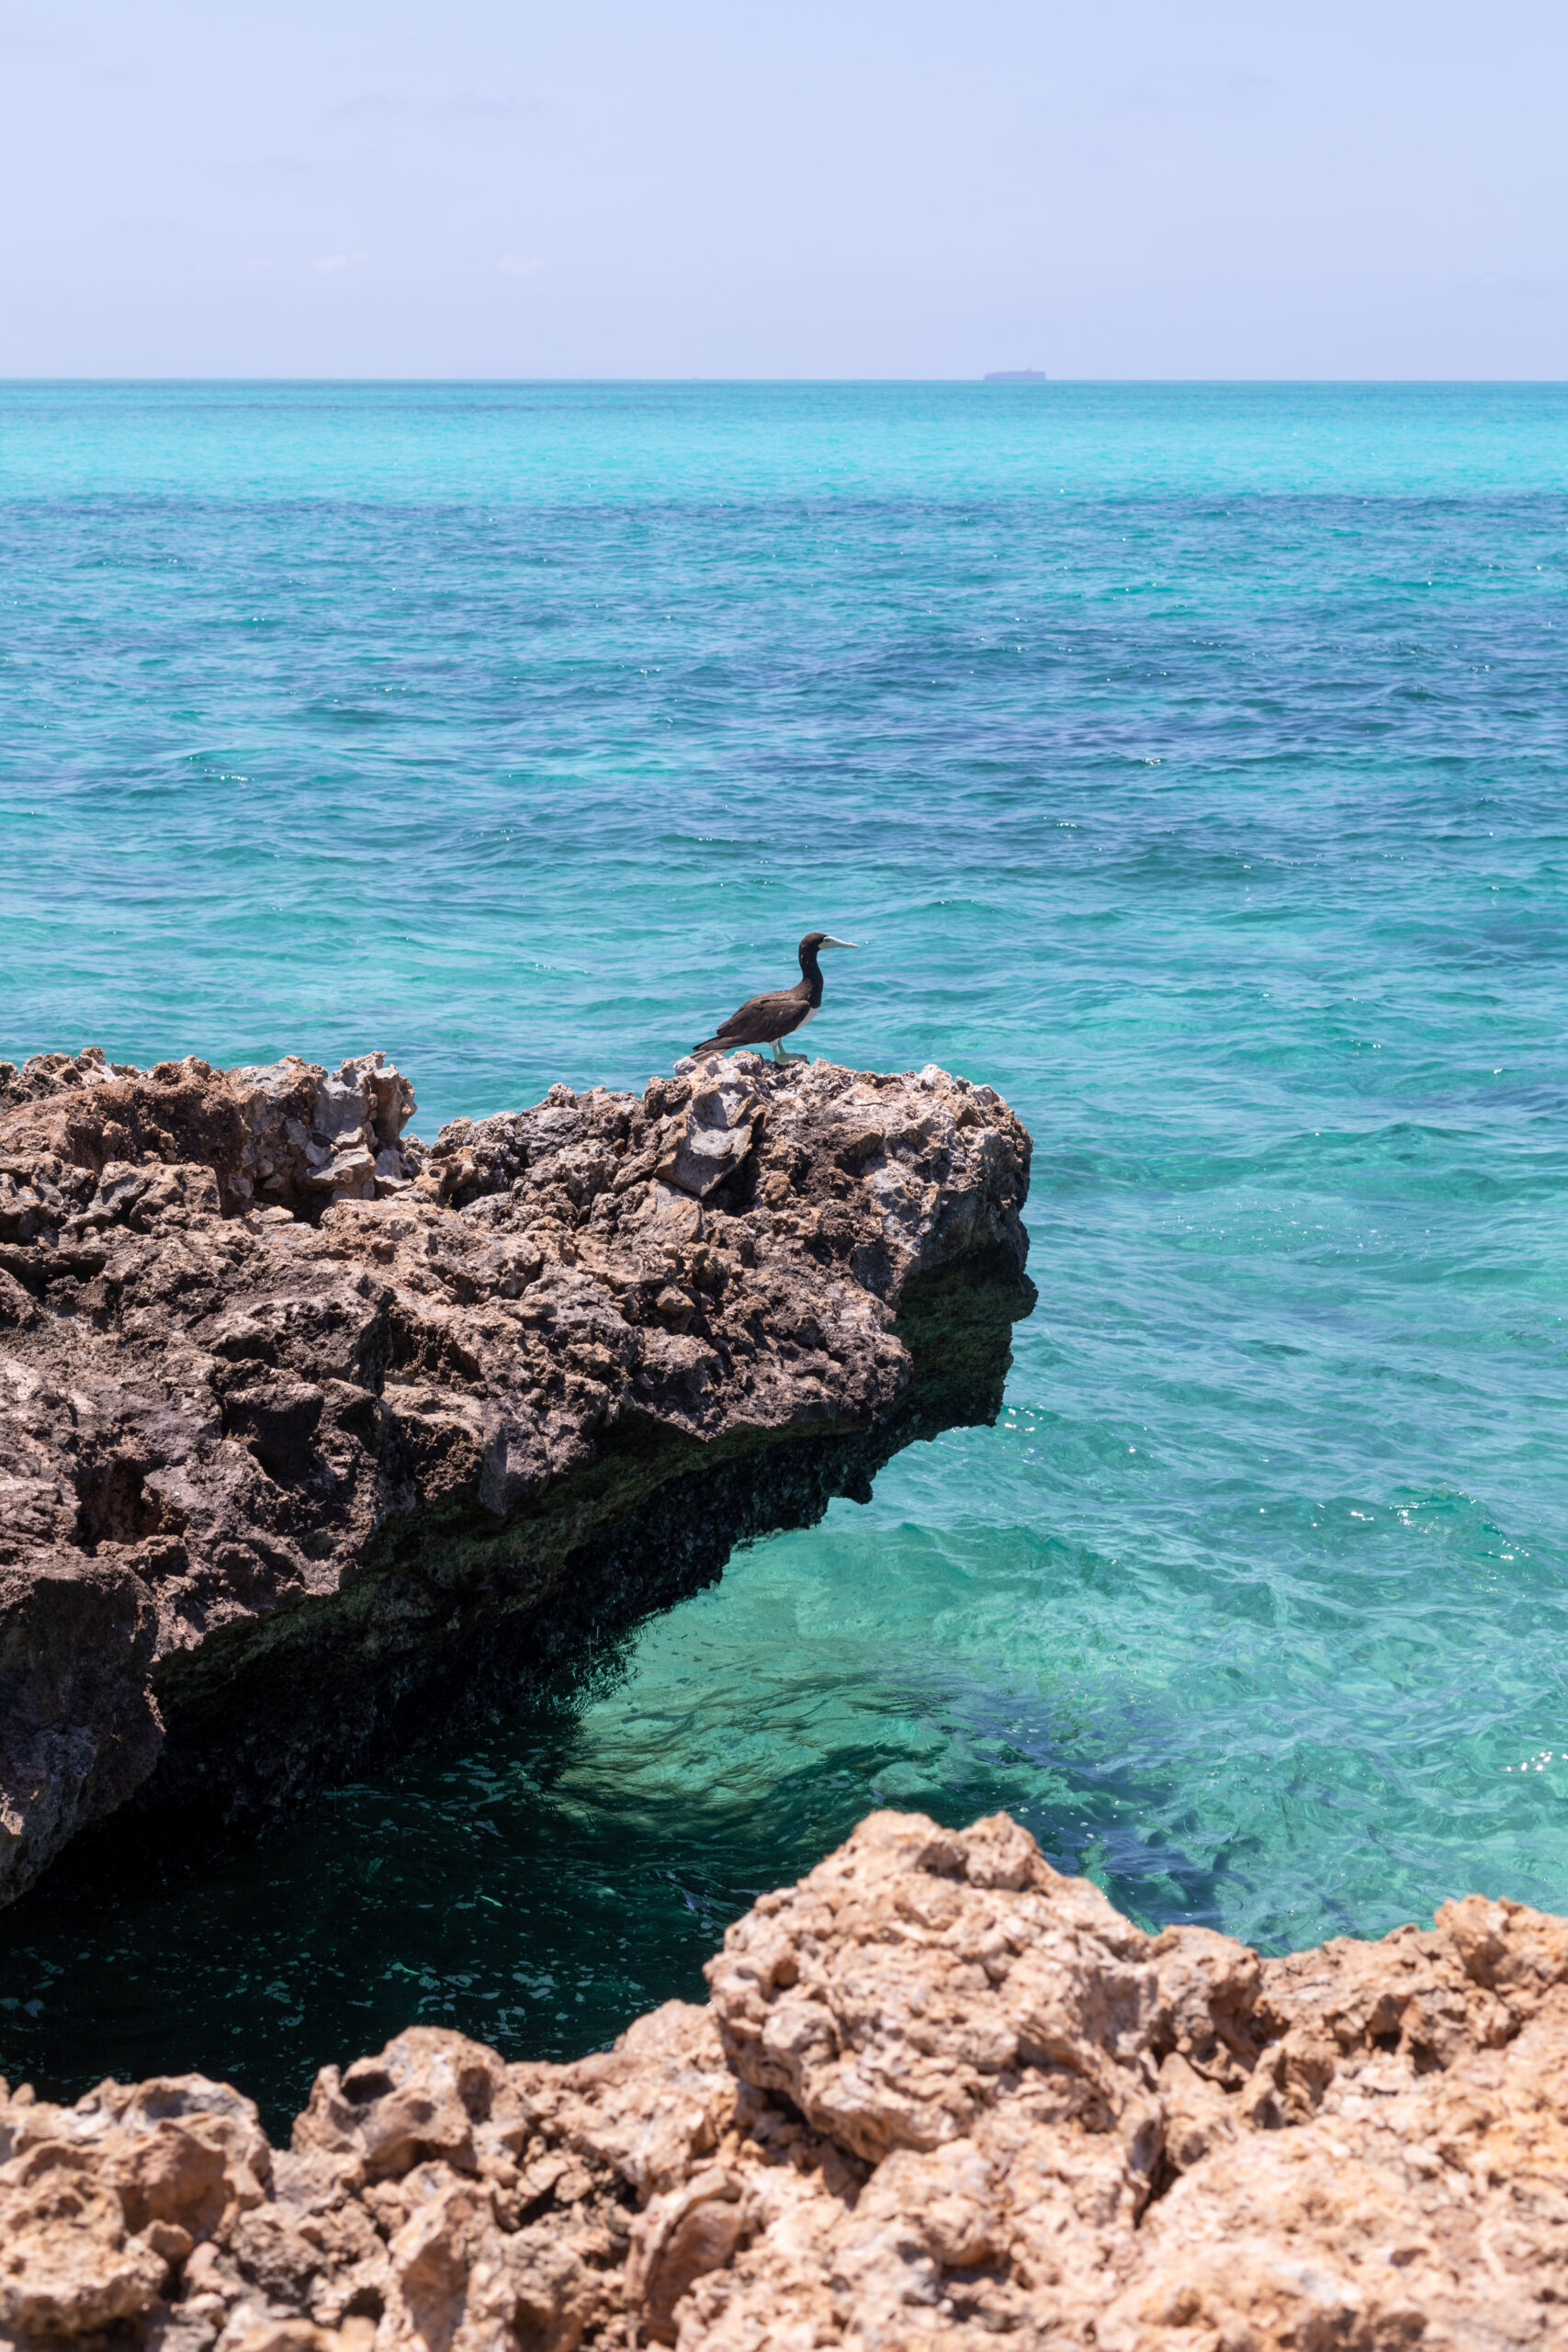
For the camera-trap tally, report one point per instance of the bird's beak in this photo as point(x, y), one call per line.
point(841, 943)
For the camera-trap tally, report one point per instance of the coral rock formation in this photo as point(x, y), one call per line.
point(309, 1433)
point(940, 2094)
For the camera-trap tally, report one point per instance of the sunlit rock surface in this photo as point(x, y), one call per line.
point(310, 1434)
point(940, 2094)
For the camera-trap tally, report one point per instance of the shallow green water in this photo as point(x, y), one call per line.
point(1193, 759)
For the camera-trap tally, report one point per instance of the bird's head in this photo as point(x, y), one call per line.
point(815, 941)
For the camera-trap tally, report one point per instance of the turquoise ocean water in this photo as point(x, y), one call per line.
point(1193, 760)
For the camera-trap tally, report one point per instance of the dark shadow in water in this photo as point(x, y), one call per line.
point(501, 1883)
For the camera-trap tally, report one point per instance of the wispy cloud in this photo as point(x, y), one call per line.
point(330, 264)
point(1522, 289)
point(521, 264)
point(373, 107)
point(21, 37)
point(464, 106)
point(467, 107)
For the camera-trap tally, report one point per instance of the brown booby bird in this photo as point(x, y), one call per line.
point(769, 1020)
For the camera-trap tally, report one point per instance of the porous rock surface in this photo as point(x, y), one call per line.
point(312, 1437)
point(940, 2094)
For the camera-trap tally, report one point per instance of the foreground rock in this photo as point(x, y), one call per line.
point(310, 1436)
point(940, 2094)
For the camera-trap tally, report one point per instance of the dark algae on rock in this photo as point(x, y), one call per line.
point(312, 1435)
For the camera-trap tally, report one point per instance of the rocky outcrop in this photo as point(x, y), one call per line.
point(286, 1136)
point(310, 1436)
point(940, 2094)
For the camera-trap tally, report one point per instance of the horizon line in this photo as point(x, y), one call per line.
point(993, 381)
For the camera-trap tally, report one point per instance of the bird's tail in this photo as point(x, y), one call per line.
point(712, 1046)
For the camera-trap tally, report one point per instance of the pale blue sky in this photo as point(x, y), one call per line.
point(1354, 187)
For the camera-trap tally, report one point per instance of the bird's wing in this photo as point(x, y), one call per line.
point(763, 1018)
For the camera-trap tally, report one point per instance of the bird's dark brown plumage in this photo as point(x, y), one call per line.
point(769, 1019)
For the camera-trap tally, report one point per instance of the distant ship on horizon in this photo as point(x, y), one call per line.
point(1016, 375)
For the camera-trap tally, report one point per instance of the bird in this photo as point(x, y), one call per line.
point(769, 1020)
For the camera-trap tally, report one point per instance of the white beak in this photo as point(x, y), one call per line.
point(841, 943)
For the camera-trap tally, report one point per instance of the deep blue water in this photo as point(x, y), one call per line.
point(1193, 759)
